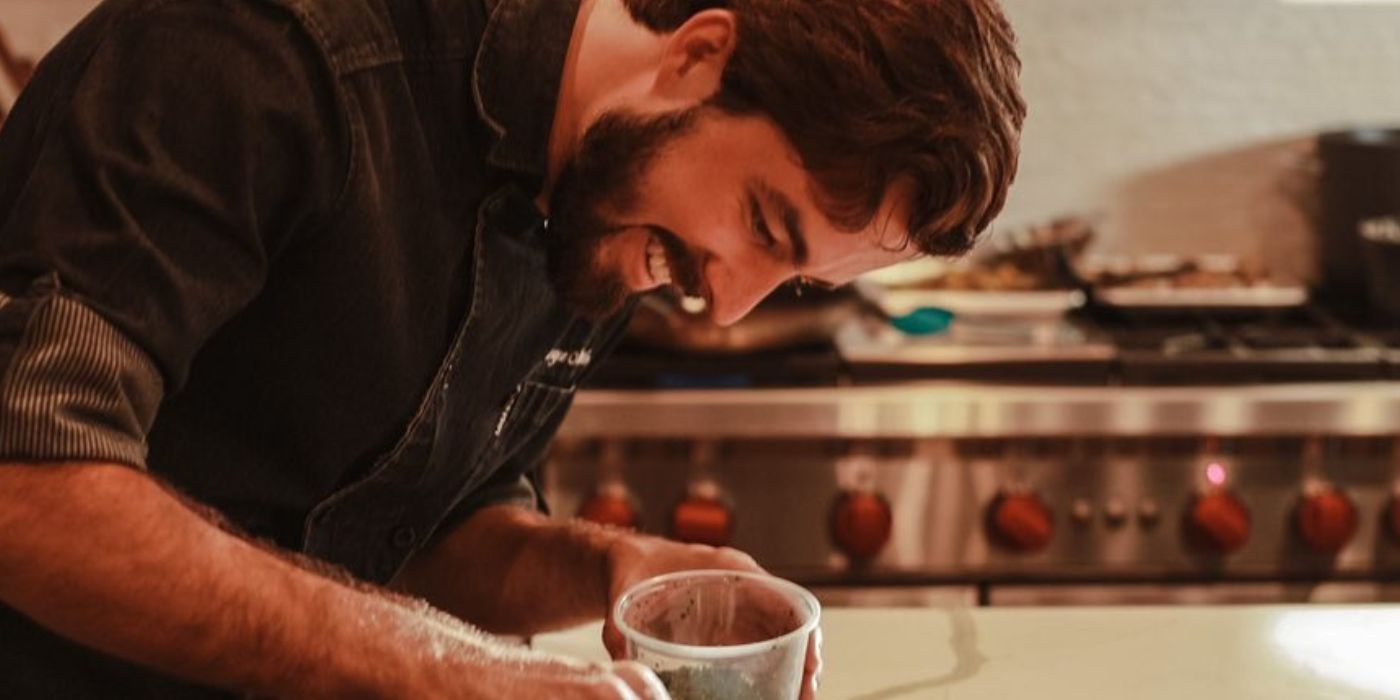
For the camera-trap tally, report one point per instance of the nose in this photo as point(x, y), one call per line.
point(735, 291)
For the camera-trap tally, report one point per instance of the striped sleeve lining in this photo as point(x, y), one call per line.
point(75, 387)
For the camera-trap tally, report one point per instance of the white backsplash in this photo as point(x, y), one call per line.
point(1181, 123)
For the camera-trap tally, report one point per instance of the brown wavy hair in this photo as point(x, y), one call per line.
point(874, 92)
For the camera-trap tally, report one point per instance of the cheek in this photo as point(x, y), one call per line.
point(696, 205)
point(681, 181)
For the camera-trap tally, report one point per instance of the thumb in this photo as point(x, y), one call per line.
point(613, 640)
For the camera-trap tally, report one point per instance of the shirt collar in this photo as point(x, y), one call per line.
point(516, 79)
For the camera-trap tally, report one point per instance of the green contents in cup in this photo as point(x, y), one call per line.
point(716, 683)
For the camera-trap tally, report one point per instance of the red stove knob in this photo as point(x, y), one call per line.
point(1326, 519)
point(703, 518)
point(1218, 521)
point(1021, 521)
point(860, 524)
point(610, 506)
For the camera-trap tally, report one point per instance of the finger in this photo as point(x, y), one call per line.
point(812, 673)
point(618, 689)
point(741, 560)
point(613, 640)
point(641, 680)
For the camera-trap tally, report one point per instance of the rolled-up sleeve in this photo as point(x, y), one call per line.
point(76, 388)
point(160, 161)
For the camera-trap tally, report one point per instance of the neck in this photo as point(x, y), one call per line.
point(610, 62)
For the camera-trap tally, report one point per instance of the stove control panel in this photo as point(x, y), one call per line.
point(1218, 522)
point(1326, 518)
point(1115, 512)
point(703, 517)
point(611, 504)
point(1000, 509)
point(1020, 521)
point(861, 522)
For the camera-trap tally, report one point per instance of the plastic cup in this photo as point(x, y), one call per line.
point(720, 634)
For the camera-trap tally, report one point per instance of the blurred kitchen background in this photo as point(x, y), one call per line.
point(1172, 374)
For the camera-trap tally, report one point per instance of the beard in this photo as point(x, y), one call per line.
point(599, 184)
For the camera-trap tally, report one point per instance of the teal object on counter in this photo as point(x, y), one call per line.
point(923, 321)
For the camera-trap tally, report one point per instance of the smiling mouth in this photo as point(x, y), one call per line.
point(664, 258)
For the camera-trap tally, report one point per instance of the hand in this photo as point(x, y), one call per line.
point(635, 558)
point(626, 680)
point(524, 674)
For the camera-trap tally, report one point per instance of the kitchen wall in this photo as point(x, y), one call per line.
point(1182, 124)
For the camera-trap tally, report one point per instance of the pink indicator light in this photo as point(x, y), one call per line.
point(1215, 474)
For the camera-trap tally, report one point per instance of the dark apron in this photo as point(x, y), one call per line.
point(504, 377)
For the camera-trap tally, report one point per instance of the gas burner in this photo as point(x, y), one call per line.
point(1391, 353)
point(1093, 347)
point(1054, 352)
point(1306, 344)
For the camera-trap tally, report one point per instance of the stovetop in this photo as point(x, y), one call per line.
point(1093, 347)
point(1301, 344)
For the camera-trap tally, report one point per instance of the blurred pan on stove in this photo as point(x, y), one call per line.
point(1023, 274)
point(1175, 283)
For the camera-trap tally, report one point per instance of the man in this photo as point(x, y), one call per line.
point(287, 283)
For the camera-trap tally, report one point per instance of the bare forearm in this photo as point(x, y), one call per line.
point(105, 556)
point(514, 571)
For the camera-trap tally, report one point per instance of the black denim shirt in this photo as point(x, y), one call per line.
point(284, 255)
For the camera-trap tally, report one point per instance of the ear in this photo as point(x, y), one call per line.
point(693, 60)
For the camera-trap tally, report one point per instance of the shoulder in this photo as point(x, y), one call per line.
point(174, 36)
point(362, 34)
point(352, 34)
point(198, 85)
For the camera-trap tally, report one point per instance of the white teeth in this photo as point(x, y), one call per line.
point(693, 305)
point(660, 271)
point(656, 263)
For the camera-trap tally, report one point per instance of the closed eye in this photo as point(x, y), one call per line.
point(759, 225)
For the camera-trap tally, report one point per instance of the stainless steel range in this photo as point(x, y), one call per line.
point(1192, 458)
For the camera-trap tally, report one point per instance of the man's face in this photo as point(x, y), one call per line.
point(713, 204)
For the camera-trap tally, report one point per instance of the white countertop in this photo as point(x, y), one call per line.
point(1239, 653)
